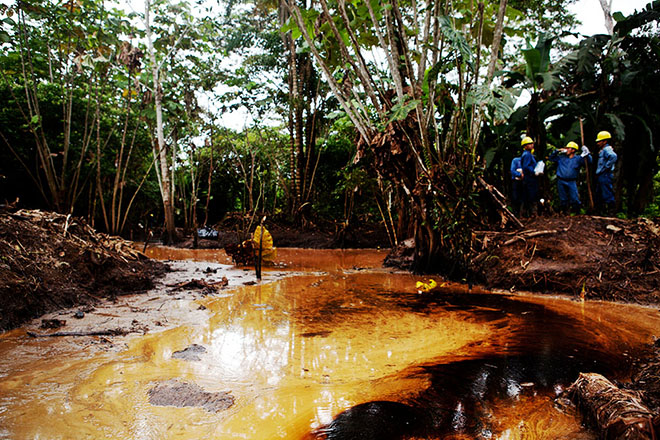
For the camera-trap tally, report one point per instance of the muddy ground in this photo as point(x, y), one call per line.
point(319, 235)
point(50, 261)
point(581, 256)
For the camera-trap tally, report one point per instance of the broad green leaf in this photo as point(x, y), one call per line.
point(456, 40)
point(543, 45)
point(549, 80)
point(400, 110)
point(429, 76)
point(533, 62)
point(618, 16)
point(489, 156)
point(618, 126)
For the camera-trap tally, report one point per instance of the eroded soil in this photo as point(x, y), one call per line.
point(582, 256)
point(50, 262)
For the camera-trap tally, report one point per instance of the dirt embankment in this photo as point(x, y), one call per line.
point(50, 261)
point(582, 256)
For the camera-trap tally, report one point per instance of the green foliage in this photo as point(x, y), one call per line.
point(499, 100)
point(457, 41)
point(538, 71)
point(635, 21)
point(552, 17)
point(400, 110)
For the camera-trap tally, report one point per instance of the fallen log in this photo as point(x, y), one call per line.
point(616, 413)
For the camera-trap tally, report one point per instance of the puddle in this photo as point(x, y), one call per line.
point(348, 349)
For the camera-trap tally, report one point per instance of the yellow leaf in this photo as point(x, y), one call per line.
point(268, 251)
point(426, 287)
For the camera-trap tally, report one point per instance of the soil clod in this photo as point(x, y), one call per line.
point(52, 323)
point(182, 394)
point(190, 353)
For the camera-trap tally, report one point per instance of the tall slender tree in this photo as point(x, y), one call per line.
point(417, 128)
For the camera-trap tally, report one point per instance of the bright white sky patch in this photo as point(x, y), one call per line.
point(591, 15)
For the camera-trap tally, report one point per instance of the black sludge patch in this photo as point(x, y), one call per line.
point(378, 420)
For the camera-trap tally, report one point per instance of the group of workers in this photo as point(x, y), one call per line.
point(525, 171)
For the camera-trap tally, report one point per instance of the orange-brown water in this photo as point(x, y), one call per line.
point(297, 352)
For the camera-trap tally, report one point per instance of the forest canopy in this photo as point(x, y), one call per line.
point(405, 114)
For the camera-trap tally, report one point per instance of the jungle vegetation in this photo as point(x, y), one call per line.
point(399, 112)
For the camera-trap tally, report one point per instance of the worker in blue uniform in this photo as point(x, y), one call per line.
point(605, 174)
point(530, 184)
point(568, 171)
point(516, 185)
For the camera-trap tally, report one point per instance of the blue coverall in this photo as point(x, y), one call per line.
point(529, 183)
point(568, 171)
point(516, 185)
point(604, 177)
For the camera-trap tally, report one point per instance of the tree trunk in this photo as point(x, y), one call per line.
point(616, 413)
point(644, 194)
point(162, 150)
point(606, 5)
point(208, 193)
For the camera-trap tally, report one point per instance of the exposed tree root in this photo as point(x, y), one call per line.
point(616, 413)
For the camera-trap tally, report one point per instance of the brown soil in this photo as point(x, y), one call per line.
point(583, 256)
point(50, 261)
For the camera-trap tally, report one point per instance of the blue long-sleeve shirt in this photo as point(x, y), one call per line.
point(606, 159)
point(528, 163)
point(515, 166)
point(568, 168)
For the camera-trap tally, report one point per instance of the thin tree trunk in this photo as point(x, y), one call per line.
point(494, 55)
point(390, 52)
point(606, 5)
point(362, 125)
point(360, 66)
point(99, 155)
point(43, 151)
point(166, 187)
point(210, 181)
point(119, 160)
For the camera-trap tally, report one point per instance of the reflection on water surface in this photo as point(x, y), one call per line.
point(353, 352)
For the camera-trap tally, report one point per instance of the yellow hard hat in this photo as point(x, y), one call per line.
point(603, 135)
point(526, 140)
point(572, 145)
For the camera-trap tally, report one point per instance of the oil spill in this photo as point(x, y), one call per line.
point(539, 359)
point(336, 353)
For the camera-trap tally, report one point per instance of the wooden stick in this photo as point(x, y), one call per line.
point(586, 167)
point(493, 192)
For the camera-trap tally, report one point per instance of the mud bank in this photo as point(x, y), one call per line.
point(157, 309)
point(51, 261)
point(582, 256)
